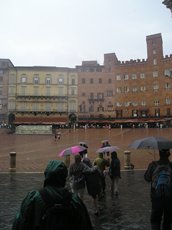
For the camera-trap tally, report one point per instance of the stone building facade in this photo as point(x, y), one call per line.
point(4, 67)
point(133, 91)
point(42, 95)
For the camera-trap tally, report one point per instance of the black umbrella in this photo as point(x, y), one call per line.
point(152, 143)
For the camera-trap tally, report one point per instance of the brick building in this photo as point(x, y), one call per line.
point(135, 91)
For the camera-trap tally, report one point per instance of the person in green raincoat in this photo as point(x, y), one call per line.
point(53, 206)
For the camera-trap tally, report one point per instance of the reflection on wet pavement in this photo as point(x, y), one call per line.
point(128, 211)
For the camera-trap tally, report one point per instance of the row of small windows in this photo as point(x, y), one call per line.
point(119, 77)
point(48, 80)
point(167, 101)
point(126, 89)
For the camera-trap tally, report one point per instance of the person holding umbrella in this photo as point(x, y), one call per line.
point(84, 155)
point(77, 177)
point(159, 174)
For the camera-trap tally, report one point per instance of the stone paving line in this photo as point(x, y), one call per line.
point(129, 211)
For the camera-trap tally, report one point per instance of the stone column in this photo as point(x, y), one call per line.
point(127, 159)
point(12, 162)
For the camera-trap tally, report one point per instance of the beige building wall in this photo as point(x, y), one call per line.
point(45, 94)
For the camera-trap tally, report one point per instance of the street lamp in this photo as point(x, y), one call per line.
point(168, 4)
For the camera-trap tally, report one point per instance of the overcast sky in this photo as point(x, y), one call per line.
point(67, 32)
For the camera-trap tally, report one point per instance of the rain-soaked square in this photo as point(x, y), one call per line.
point(130, 210)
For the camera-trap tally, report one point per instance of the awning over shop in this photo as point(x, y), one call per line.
point(135, 120)
point(40, 120)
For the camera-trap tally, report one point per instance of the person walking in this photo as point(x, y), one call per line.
point(114, 173)
point(77, 177)
point(53, 206)
point(93, 184)
point(84, 155)
point(102, 164)
point(159, 174)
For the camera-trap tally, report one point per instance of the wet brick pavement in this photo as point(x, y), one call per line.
point(129, 211)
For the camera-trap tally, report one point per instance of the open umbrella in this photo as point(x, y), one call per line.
point(107, 149)
point(73, 150)
point(83, 144)
point(152, 143)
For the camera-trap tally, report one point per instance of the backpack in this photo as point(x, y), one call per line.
point(57, 216)
point(162, 181)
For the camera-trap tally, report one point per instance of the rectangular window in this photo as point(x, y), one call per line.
point(118, 77)
point(135, 89)
point(100, 81)
point(154, 61)
point(142, 88)
point(126, 89)
point(155, 87)
point(156, 102)
point(109, 80)
point(83, 81)
point(23, 80)
point(155, 73)
point(119, 90)
point(133, 76)
point(73, 81)
point(118, 104)
point(167, 101)
point(167, 85)
point(142, 75)
point(126, 77)
point(91, 81)
point(48, 81)
point(36, 80)
point(143, 103)
point(109, 93)
point(168, 72)
point(100, 96)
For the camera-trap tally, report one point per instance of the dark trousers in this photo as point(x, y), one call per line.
point(161, 214)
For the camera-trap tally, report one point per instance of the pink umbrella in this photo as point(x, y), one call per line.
point(73, 150)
